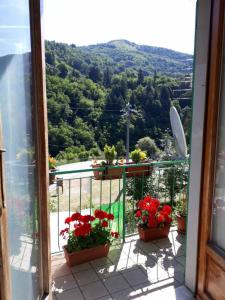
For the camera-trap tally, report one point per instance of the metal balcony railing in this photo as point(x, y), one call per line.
point(115, 189)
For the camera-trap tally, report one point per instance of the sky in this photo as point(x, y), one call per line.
point(163, 23)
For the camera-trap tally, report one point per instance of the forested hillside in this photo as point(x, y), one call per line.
point(87, 87)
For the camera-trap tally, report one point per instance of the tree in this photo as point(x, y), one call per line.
point(50, 57)
point(63, 70)
point(95, 73)
point(140, 77)
point(120, 149)
point(107, 77)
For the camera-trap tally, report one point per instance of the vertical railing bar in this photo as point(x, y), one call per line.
point(173, 190)
point(58, 215)
point(165, 195)
point(101, 193)
point(91, 195)
point(158, 177)
point(80, 193)
point(118, 221)
point(110, 194)
point(69, 195)
point(124, 205)
point(142, 186)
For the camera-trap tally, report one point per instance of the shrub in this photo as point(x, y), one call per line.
point(147, 144)
point(120, 148)
point(95, 152)
point(83, 156)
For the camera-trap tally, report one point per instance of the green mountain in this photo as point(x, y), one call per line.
point(127, 55)
point(87, 87)
point(121, 55)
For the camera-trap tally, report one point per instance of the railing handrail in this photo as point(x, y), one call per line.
point(122, 166)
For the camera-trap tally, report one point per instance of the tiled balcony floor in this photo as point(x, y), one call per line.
point(133, 270)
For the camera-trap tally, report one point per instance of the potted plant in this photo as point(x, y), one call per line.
point(88, 237)
point(181, 214)
point(108, 173)
point(52, 167)
point(153, 219)
point(138, 157)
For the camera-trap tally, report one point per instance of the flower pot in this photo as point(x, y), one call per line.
point(150, 234)
point(51, 178)
point(181, 224)
point(97, 174)
point(108, 173)
point(143, 170)
point(113, 173)
point(79, 257)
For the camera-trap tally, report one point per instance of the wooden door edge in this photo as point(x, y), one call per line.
point(210, 133)
point(5, 278)
point(41, 126)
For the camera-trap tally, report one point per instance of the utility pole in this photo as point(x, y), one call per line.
point(127, 111)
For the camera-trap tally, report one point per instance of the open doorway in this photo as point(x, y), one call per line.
point(113, 72)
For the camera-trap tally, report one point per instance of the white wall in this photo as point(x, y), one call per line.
point(199, 89)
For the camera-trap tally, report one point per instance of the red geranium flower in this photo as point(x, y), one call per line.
point(152, 221)
point(167, 209)
point(63, 231)
point(144, 218)
point(82, 230)
point(105, 223)
point(87, 218)
point(115, 234)
point(160, 218)
point(138, 214)
point(168, 219)
point(110, 217)
point(100, 214)
point(68, 220)
point(76, 216)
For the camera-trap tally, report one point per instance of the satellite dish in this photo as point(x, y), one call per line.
point(178, 133)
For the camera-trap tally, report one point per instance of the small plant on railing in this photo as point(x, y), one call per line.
point(52, 162)
point(151, 214)
point(110, 154)
point(52, 166)
point(88, 232)
point(137, 156)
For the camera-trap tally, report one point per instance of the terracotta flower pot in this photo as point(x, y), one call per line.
point(181, 224)
point(76, 258)
point(150, 234)
point(97, 174)
point(113, 173)
point(134, 171)
point(108, 173)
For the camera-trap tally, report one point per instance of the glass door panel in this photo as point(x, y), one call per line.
point(18, 137)
point(218, 211)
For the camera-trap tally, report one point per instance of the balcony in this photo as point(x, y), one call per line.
point(133, 269)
